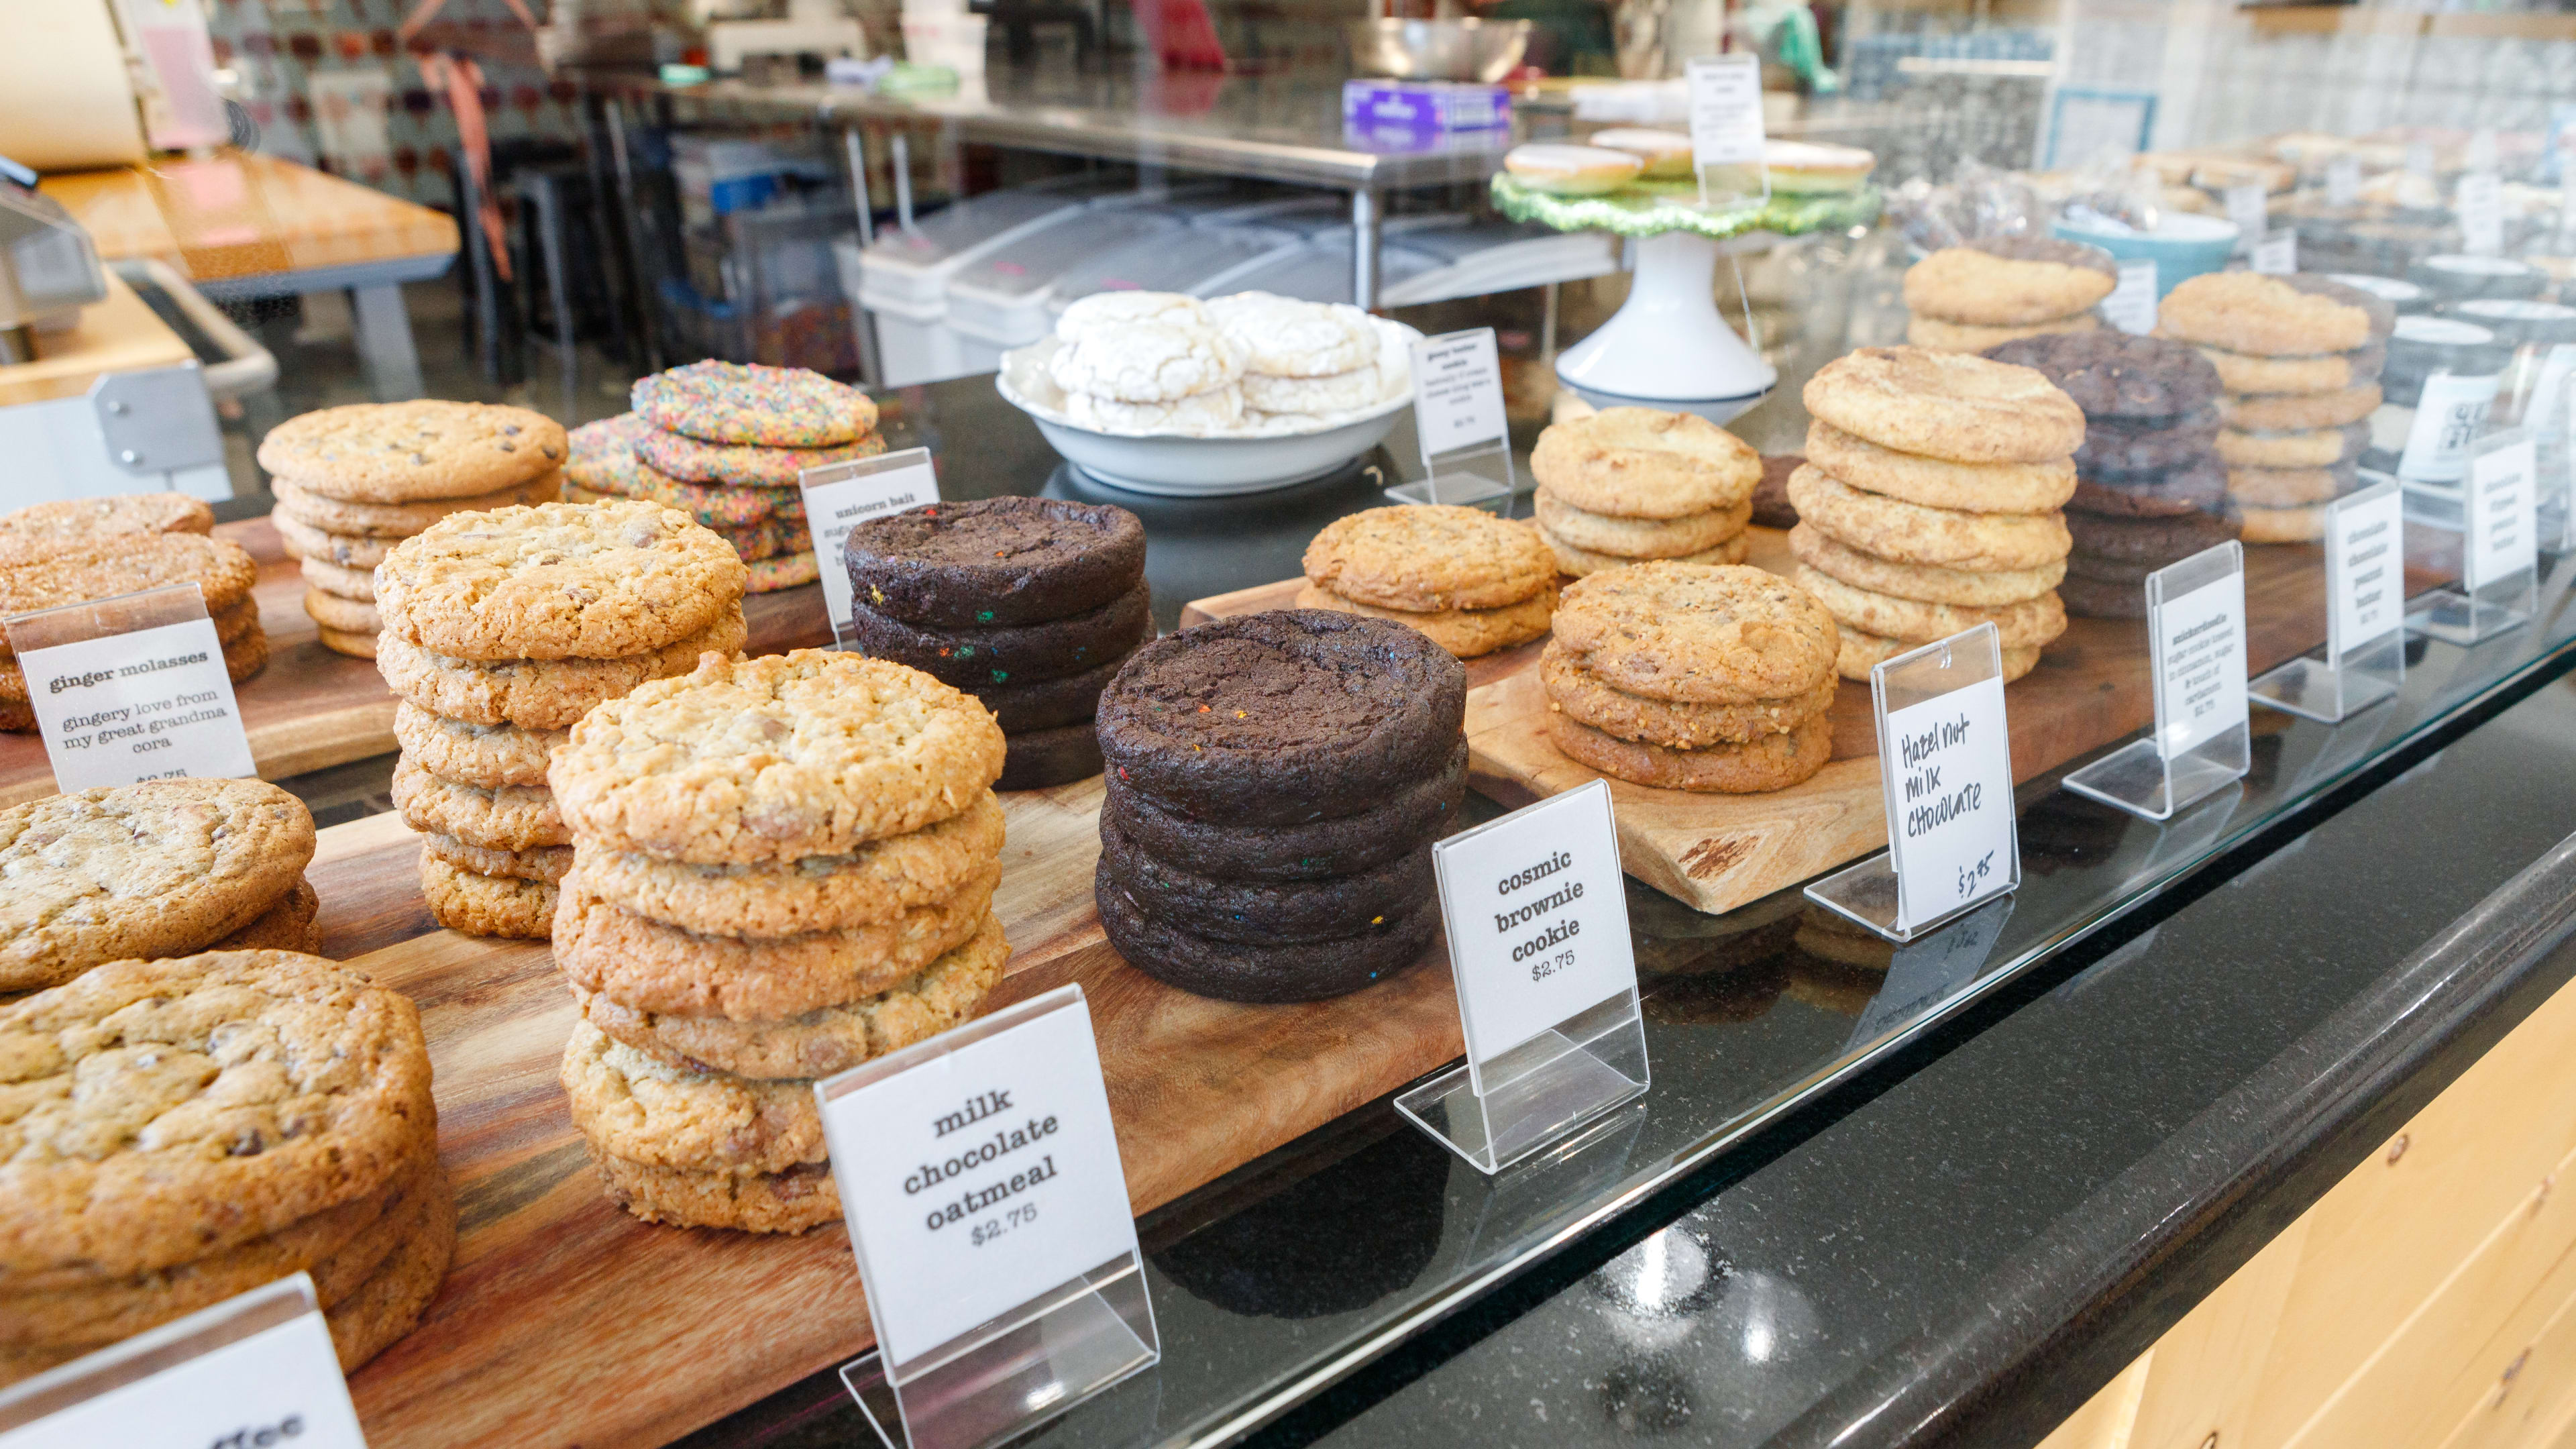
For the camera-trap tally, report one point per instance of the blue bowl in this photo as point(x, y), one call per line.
point(2184, 244)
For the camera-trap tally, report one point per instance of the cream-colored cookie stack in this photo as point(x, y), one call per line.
point(353, 481)
point(782, 868)
point(1629, 485)
point(1303, 362)
point(1987, 292)
point(1931, 502)
point(1147, 362)
point(502, 629)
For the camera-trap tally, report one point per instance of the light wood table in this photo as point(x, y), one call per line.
point(242, 225)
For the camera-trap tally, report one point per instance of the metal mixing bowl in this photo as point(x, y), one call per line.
point(1458, 50)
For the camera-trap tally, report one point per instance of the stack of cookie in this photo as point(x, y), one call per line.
point(71, 522)
point(353, 481)
point(184, 1130)
point(2299, 357)
point(1154, 362)
point(765, 525)
point(1626, 484)
point(501, 630)
point(1982, 293)
point(1472, 582)
point(164, 868)
point(1302, 361)
point(42, 571)
point(1029, 604)
point(782, 867)
point(1275, 783)
point(1929, 502)
point(1706, 677)
point(2149, 488)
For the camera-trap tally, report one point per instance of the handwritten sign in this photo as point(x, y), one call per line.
point(1949, 800)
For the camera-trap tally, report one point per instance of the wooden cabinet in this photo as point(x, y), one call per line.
point(2427, 1299)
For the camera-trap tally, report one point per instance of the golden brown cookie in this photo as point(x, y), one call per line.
point(2277, 412)
point(2304, 524)
point(794, 1201)
point(1771, 762)
point(1946, 405)
point(2287, 487)
point(342, 518)
point(82, 520)
point(558, 581)
point(1697, 633)
point(285, 926)
point(1862, 652)
point(1583, 562)
point(339, 582)
point(1942, 336)
point(1636, 538)
point(548, 864)
point(40, 575)
point(2272, 316)
point(490, 756)
point(1911, 533)
point(428, 448)
point(348, 616)
point(2241, 372)
point(1645, 463)
point(639, 1108)
point(1466, 633)
point(513, 817)
point(353, 552)
point(486, 905)
point(2309, 448)
point(2009, 281)
point(1938, 482)
point(1930, 583)
point(338, 641)
point(1583, 695)
point(2030, 624)
point(1429, 558)
point(538, 694)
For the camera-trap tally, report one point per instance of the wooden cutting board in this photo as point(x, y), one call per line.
point(312, 708)
point(567, 1322)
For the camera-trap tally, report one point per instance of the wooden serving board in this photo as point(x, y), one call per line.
point(566, 1322)
point(312, 708)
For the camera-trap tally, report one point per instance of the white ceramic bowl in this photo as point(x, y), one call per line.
point(1179, 465)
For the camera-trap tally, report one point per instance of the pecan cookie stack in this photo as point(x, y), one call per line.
point(353, 481)
point(1706, 677)
point(1629, 484)
point(163, 868)
point(1029, 604)
point(39, 572)
point(1978, 294)
point(184, 1130)
point(724, 442)
point(2299, 357)
point(1469, 580)
point(1275, 783)
point(2150, 490)
point(501, 630)
point(782, 867)
point(1929, 502)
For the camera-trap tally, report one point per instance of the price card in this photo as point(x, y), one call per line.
point(2131, 307)
point(253, 1372)
point(1948, 768)
point(2343, 181)
point(132, 688)
point(1538, 920)
point(1726, 127)
point(2245, 207)
point(841, 496)
point(2480, 155)
point(2200, 663)
point(1458, 393)
point(978, 1171)
point(2481, 207)
point(2448, 416)
point(2277, 254)
point(2503, 534)
point(2419, 158)
point(2366, 536)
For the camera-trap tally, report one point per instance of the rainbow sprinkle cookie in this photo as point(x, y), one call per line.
point(738, 402)
point(602, 463)
point(767, 540)
point(740, 465)
point(784, 571)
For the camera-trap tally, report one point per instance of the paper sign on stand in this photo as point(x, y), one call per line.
point(2481, 207)
point(2499, 545)
point(2196, 648)
point(1945, 767)
point(2343, 181)
point(2277, 254)
point(1458, 414)
point(132, 688)
point(2131, 307)
point(1726, 129)
point(1547, 981)
point(2365, 653)
point(254, 1370)
point(980, 1177)
point(2246, 207)
point(841, 496)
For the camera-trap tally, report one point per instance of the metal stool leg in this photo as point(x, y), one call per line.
point(547, 192)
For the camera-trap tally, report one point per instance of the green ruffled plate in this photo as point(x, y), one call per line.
point(1656, 207)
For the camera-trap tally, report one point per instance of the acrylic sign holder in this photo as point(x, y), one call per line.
point(1479, 476)
point(2177, 766)
point(2353, 674)
point(1868, 892)
point(1020, 1368)
point(2484, 607)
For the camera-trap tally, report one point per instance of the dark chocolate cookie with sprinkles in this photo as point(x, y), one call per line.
point(995, 561)
point(1036, 759)
point(2200, 487)
point(2143, 540)
point(2112, 374)
point(1071, 699)
point(1010, 653)
point(1259, 912)
point(1342, 845)
point(2147, 445)
point(1269, 972)
point(1283, 717)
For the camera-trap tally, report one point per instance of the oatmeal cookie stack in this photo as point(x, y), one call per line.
point(500, 630)
point(1625, 485)
point(781, 868)
point(351, 482)
point(45, 566)
point(1929, 502)
point(1982, 293)
point(724, 442)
